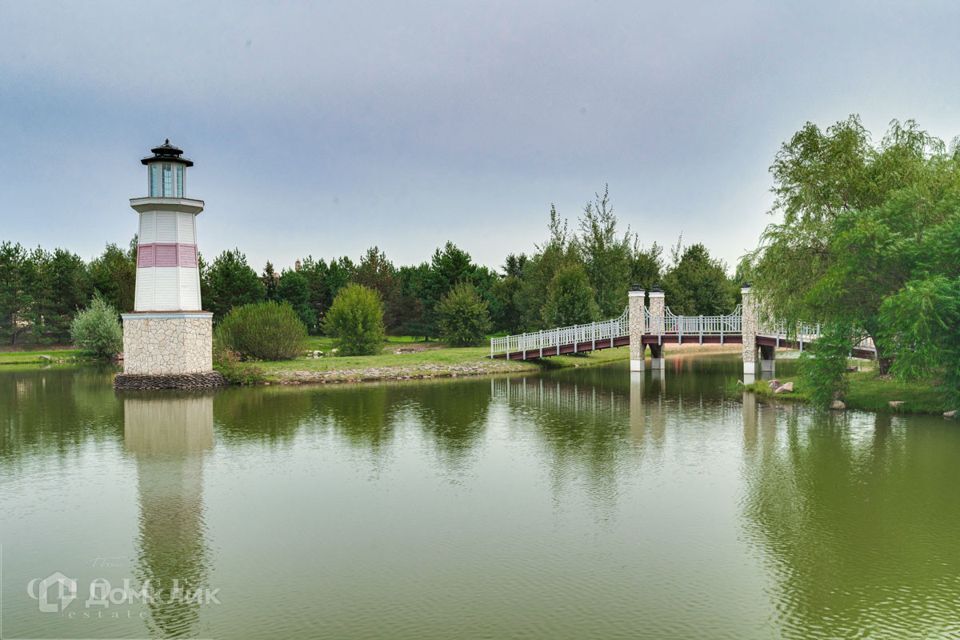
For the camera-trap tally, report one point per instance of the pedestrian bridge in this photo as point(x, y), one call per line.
point(641, 327)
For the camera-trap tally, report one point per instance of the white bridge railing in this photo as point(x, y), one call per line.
point(697, 325)
point(802, 332)
point(549, 341)
point(805, 333)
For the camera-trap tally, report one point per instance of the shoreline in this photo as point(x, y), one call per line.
point(283, 375)
point(867, 391)
point(433, 371)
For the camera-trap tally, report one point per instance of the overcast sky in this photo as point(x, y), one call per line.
point(325, 128)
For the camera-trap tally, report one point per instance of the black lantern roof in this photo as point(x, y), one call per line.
point(167, 153)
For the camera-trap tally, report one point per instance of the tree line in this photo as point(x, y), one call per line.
point(576, 275)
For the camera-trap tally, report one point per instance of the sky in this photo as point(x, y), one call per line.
point(325, 128)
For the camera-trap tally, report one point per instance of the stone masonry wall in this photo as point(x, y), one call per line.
point(749, 328)
point(167, 345)
point(637, 326)
point(188, 381)
point(658, 312)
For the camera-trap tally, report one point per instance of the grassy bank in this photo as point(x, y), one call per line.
point(868, 391)
point(404, 359)
point(40, 357)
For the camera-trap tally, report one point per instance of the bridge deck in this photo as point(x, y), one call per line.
point(666, 338)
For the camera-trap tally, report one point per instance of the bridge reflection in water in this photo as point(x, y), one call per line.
point(643, 403)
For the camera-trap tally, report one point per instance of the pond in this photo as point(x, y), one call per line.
point(583, 503)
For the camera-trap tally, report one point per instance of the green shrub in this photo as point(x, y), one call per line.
point(262, 331)
point(97, 329)
point(462, 316)
point(355, 321)
point(229, 364)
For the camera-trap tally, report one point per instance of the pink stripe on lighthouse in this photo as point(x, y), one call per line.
point(145, 255)
point(166, 254)
point(187, 255)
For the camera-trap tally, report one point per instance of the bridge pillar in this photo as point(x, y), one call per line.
point(637, 328)
point(658, 313)
point(748, 326)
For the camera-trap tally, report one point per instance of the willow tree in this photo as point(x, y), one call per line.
point(851, 211)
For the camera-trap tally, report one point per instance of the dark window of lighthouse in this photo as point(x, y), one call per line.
point(167, 180)
point(179, 180)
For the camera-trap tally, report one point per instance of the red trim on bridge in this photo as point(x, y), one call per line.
point(674, 338)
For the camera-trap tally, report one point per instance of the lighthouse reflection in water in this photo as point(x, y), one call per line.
point(169, 436)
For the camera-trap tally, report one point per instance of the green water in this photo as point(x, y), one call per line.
point(578, 504)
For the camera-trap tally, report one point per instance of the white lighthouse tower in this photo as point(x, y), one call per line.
point(168, 339)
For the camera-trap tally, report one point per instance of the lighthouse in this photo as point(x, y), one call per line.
point(168, 339)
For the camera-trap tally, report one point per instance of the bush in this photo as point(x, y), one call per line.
point(355, 321)
point(230, 365)
point(462, 316)
point(97, 329)
point(262, 330)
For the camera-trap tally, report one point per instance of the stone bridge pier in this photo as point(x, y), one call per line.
point(638, 322)
point(748, 327)
point(658, 314)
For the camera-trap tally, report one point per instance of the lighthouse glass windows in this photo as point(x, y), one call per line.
point(166, 180)
point(155, 183)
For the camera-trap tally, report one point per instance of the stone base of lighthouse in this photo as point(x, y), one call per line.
point(168, 350)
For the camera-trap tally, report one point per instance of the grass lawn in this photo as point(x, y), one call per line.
point(867, 391)
point(40, 356)
point(422, 358)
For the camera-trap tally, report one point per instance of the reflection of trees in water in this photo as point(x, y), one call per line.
point(450, 413)
point(53, 412)
point(168, 436)
point(361, 415)
point(857, 521)
point(270, 415)
point(453, 415)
